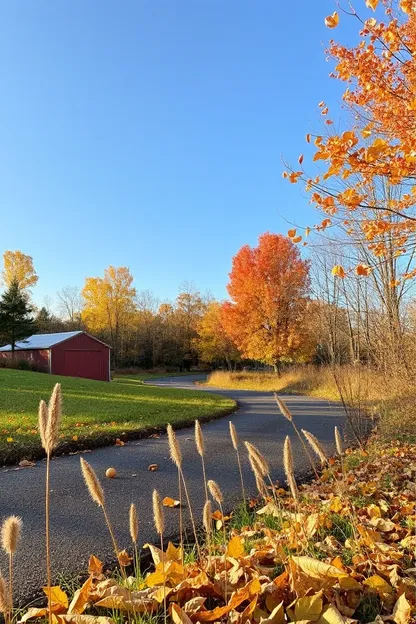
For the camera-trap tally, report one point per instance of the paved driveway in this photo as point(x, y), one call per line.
point(77, 524)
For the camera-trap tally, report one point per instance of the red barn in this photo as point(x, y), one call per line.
point(74, 354)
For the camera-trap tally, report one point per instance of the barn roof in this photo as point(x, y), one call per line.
point(42, 341)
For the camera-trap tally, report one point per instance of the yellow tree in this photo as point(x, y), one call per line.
point(109, 305)
point(214, 344)
point(18, 267)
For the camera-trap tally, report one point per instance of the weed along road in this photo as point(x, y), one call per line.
point(77, 524)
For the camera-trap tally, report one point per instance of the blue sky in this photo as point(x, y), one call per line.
point(150, 133)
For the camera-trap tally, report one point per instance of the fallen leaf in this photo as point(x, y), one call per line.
point(80, 598)
point(402, 610)
point(277, 616)
point(308, 608)
point(170, 502)
point(178, 615)
point(124, 558)
point(25, 463)
point(153, 467)
point(56, 596)
point(379, 585)
point(95, 566)
point(235, 547)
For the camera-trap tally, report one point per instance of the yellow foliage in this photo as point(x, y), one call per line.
point(19, 267)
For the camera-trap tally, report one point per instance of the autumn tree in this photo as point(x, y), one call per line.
point(18, 267)
point(109, 305)
point(16, 320)
point(189, 308)
point(214, 343)
point(268, 289)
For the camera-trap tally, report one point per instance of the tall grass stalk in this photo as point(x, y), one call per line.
point(5, 606)
point(49, 420)
point(235, 441)
point(216, 494)
point(207, 522)
point(10, 535)
point(159, 521)
point(134, 534)
point(285, 411)
point(97, 494)
point(176, 457)
point(200, 445)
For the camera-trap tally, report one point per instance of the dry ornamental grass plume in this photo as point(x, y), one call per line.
point(215, 491)
point(199, 439)
point(259, 458)
point(261, 486)
point(158, 517)
point(10, 534)
point(175, 451)
point(338, 441)
point(4, 596)
point(42, 422)
point(256, 468)
point(284, 410)
point(234, 436)
point(54, 417)
point(133, 523)
point(315, 446)
point(92, 482)
point(206, 516)
point(288, 466)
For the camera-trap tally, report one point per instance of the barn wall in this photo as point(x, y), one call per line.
point(40, 357)
point(81, 356)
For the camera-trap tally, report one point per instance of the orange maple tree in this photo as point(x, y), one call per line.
point(268, 288)
point(368, 185)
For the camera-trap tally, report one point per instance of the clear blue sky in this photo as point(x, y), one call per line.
point(149, 133)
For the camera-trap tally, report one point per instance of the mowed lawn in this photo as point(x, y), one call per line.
point(95, 413)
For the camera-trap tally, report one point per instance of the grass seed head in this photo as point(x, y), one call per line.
point(10, 534)
point(316, 446)
point(234, 436)
point(215, 491)
point(92, 482)
point(199, 438)
point(175, 451)
point(133, 523)
point(293, 488)
point(288, 466)
point(4, 595)
point(158, 516)
point(256, 468)
point(253, 451)
point(284, 410)
point(206, 516)
point(338, 441)
point(261, 486)
point(54, 417)
point(43, 422)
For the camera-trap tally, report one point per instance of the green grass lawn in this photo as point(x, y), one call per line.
point(95, 413)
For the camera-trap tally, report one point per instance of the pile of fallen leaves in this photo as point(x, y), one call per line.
point(345, 554)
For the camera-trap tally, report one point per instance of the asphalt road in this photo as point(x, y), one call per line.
point(77, 524)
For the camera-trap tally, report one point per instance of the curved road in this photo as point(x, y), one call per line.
point(77, 523)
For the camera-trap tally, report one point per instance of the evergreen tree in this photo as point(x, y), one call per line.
point(16, 320)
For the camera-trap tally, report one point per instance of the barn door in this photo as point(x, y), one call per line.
point(87, 363)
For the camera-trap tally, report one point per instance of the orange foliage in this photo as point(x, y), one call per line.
point(369, 169)
point(268, 287)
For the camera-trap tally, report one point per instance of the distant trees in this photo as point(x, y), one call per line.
point(16, 320)
point(70, 305)
point(18, 267)
point(215, 345)
point(269, 287)
point(109, 305)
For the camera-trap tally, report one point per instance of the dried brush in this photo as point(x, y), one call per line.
point(315, 446)
point(288, 467)
point(234, 440)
